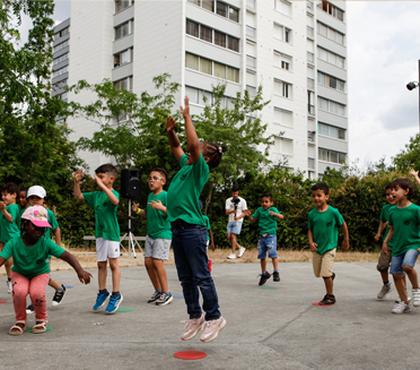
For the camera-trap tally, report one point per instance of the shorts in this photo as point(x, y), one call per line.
point(267, 244)
point(157, 248)
point(384, 261)
point(406, 259)
point(106, 249)
point(323, 263)
point(234, 227)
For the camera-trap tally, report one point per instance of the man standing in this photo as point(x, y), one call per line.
point(235, 205)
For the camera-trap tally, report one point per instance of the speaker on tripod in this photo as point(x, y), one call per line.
point(130, 189)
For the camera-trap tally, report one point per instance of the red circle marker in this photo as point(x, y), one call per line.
point(190, 355)
point(3, 301)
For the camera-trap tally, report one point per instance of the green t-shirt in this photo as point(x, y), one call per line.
point(384, 217)
point(53, 222)
point(158, 226)
point(106, 219)
point(208, 226)
point(267, 224)
point(325, 226)
point(406, 224)
point(31, 261)
point(185, 189)
point(8, 230)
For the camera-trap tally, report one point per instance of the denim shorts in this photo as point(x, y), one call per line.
point(267, 244)
point(408, 259)
point(234, 227)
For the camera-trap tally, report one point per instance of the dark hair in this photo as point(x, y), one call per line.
point(235, 187)
point(10, 188)
point(107, 168)
point(161, 171)
point(402, 183)
point(266, 195)
point(215, 153)
point(388, 187)
point(321, 186)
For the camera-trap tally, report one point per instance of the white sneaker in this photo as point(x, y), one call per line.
point(192, 327)
point(400, 307)
point(416, 297)
point(211, 329)
point(9, 286)
point(231, 256)
point(241, 251)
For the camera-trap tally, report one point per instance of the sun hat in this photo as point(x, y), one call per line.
point(38, 215)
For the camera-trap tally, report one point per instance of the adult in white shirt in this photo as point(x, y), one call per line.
point(235, 205)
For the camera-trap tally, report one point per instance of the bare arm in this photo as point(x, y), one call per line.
point(346, 242)
point(157, 204)
point(193, 143)
point(83, 275)
point(114, 200)
point(385, 247)
point(77, 178)
point(381, 228)
point(173, 139)
point(57, 235)
point(2, 261)
point(415, 174)
point(312, 244)
point(7, 215)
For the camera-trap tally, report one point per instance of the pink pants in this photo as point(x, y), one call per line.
point(35, 287)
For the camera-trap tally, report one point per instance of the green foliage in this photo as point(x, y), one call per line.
point(410, 157)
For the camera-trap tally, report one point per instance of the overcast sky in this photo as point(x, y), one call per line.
point(383, 39)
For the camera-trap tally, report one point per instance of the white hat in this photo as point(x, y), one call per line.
point(37, 191)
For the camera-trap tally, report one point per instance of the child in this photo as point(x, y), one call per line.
point(384, 260)
point(324, 222)
point(402, 241)
point(36, 197)
point(9, 220)
point(31, 267)
point(189, 229)
point(267, 217)
point(158, 239)
point(107, 231)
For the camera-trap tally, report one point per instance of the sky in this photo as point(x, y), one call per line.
point(383, 41)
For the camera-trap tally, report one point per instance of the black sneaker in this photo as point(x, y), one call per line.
point(328, 299)
point(264, 277)
point(154, 297)
point(164, 299)
point(59, 295)
point(276, 276)
point(30, 309)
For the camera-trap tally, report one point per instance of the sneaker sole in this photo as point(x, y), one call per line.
point(216, 333)
point(55, 303)
point(166, 302)
point(194, 334)
point(116, 307)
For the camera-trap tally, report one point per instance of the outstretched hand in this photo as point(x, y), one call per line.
point(414, 173)
point(170, 124)
point(78, 175)
point(157, 204)
point(84, 277)
point(185, 111)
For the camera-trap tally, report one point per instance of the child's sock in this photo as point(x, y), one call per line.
point(116, 293)
point(103, 291)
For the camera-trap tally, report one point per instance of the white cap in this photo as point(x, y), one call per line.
point(37, 191)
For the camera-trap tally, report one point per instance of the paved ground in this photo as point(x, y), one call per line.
point(270, 327)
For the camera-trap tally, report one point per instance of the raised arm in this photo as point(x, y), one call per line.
point(83, 275)
point(114, 200)
point(77, 178)
point(193, 143)
point(173, 138)
point(415, 174)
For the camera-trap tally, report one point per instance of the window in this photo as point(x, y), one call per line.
point(311, 83)
point(121, 5)
point(330, 33)
point(283, 6)
point(222, 9)
point(192, 61)
point(193, 28)
point(196, 2)
point(252, 91)
point(331, 9)
point(330, 81)
point(60, 71)
point(61, 46)
point(220, 38)
point(206, 33)
point(60, 59)
point(282, 33)
point(285, 146)
point(283, 117)
point(219, 70)
point(251, 32)
point(283, 88)
point(332, 58)
point(232, 74)
point(124, 84)
point(331, 131)
point(310, 32)
point(311, 163)
point(311, 102)
point(233, 14)
point(251, 61)
point(331, 106)
point(123, 57)
point(310, 56)
point(332, 156)
point(206, 66)
point(208, 4)
point(192, 94)
point(62, 33)
point(233, 43)
point(250, 4)
point(124, 29)
point(283, 61)
point(251, 77)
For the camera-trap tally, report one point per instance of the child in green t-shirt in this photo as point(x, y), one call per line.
point(107, 231)
point(402, 241)
point(384, 260)
point(31, 267)
point(267, 217)
point(324, 222)
point(189, 233)
point(159, 236)
point(9, 223)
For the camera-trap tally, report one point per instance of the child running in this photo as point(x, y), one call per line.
point(9, 224)
point(402, 242)
point(384, 260)
point(107, 231)
point(324, 222)
point(267, 217)
point(31, 266)
point(158, 239)
point(189, 234)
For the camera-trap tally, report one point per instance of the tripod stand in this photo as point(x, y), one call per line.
point(130, 237)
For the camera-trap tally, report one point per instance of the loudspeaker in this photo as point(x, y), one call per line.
point(130, 183)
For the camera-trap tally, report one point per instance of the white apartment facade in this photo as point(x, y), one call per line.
point(295, 49)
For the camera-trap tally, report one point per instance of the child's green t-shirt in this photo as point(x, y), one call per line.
point(185, 189)
point(208, 226)
point(406, 224)
point(267, 224)
point(53, 222)
point(384, 217)
point(325, 226)
point(106, 217)
point(8, 230)
point(158, 226)
point(31, 261)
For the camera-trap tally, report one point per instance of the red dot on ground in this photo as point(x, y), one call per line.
point(190, 355)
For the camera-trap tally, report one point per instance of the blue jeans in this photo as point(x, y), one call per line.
point(406, 259)
point(190, 250)
point(267, 244)
point(234, 227)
